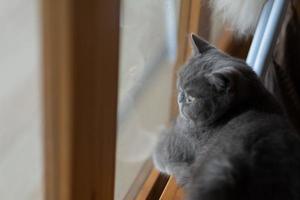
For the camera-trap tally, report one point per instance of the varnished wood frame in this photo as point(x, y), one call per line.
point(80, 58)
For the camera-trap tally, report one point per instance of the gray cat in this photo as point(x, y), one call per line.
point(231, 139)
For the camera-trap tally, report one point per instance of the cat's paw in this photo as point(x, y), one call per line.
point(160, 163)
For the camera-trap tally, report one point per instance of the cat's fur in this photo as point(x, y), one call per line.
point(241, 15)
point(231, 140)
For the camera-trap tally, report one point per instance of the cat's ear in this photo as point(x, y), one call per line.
point(199, 44)
point(224, 79)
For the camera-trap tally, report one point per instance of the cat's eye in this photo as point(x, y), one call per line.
point(189, 99)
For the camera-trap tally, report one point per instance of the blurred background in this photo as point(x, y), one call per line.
point(21, 151)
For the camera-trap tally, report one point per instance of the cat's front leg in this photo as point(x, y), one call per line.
point(173, 155)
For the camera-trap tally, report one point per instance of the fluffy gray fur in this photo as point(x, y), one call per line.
point(231, 140)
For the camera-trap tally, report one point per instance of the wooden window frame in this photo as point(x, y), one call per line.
point(80, 58)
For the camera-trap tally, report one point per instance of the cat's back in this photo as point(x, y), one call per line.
point(268, 165)
point(263, 137)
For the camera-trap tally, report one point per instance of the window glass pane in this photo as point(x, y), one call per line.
point(147, 57)
point(20, 101)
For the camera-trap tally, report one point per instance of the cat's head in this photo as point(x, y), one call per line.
point(211, 83)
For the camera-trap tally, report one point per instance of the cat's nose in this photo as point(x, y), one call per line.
point(180, 97)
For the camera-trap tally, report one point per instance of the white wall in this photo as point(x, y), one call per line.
point(20, 101)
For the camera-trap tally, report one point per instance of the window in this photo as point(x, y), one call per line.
point(148, 44)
